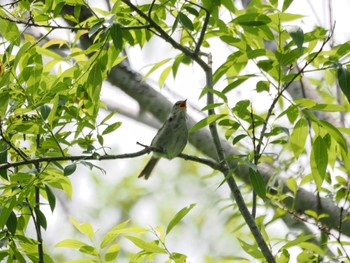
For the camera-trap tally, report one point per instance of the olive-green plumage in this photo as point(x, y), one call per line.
point(171, 138)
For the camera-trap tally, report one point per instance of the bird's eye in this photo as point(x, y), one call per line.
point(170, 119)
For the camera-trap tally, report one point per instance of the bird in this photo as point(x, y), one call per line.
point(170, 139)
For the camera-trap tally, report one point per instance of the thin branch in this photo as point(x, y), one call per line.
point(72, 28)
point(166, 36)
point(229, 178)
point(148, 149)
point(204, 28)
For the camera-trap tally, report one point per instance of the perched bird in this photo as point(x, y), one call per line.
point(171, 138)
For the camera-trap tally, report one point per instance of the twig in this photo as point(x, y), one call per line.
point(72, 28)
point(230, 180)
point(148, 149)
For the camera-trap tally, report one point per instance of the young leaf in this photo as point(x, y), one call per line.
point(286, 4)
point(319, 160)
point(6, 211)
point(84, 228)
point(147, 246)
point(111, 128)
point(177, 218)
point(112, 253)
point(164, 76)
point(258, 183)
point(206, 121)
point(298, 137)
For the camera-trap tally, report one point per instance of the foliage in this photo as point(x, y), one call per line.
point(50, 90)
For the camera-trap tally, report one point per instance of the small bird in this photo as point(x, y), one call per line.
point(171, 138)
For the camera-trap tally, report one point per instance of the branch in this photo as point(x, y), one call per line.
point(30, 23)
point(230, 179)
point(214, 165)
point(164, 35)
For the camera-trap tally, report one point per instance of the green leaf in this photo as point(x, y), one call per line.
point(344, 81)
point(237, 138)
point(258, 183)
point(263, 86)
point(252, 19)
point(71, 243)
point(50, 197)
point(319, 160)
point(206, 121)
point(44, 111)
point(297, 241)
point(40, 217)
point(112, 253)
point(117, 36)
point(185, 21)
point(336, 134)
point(177, 218)
point(252, 250)
point(70, 169)
point(111, 128)
point(156, 66)
point(9, 30)
point(286, 4)
point(298, 137)
point(292, 185)
point(12, 223)
point(112, 234)
point(94, 82)
point(84, 228)
point(147, 246)
point(164, 76)
point(298, 37)
point(6, 211)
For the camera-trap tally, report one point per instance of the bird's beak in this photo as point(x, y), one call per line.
point(183, 104)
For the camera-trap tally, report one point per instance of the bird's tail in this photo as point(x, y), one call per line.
point(146, 172)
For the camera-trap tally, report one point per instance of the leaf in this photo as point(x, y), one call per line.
point(344, 81)
point(185, 21)
point(286, 4)
point(164, 76)
point(44, 111)
point(112, 128)
point(298, 37)
point(12, 223)
point(112, 253)
point(319, 160)
point(252, 19)
point(71, 243)
point(6, 211)
point(156, 66)
point(112, 234)
point(40, 217)
point(258, 183)
point(117, 36)
point(336, 134)
point(298, 137)
point(9, 30)
point(263, 86)
point(252, 250)
point(70, 169)
point(297, 241)
point(147, 246)
point(206, 121)
point(177, 218)
point(84, 228)
point(51, 198)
